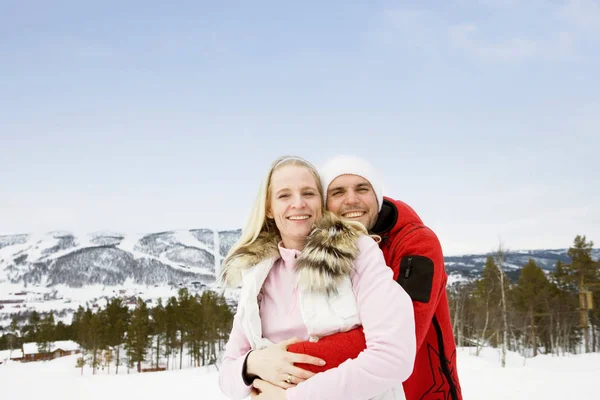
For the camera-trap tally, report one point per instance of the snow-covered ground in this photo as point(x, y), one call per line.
point(543, 377)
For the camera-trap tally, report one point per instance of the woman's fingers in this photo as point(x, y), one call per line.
point(285, 343)
point(290, 380)
point(297, 358)
point(300, 373)
point(282, 382)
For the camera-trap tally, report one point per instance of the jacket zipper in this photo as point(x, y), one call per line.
point(408, 268)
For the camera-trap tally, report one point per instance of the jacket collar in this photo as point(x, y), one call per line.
point(327, 258)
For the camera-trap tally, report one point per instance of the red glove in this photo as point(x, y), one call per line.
point(334, 349)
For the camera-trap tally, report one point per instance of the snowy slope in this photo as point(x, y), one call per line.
point(543, 378)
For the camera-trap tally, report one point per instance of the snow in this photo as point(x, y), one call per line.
point(454, 278)
point(129, 242)
point(512, 266)
point(187, 239)
point(65, 345)
point(542, 377)
point(60, 379)
point(89, 295)
point(6, 355)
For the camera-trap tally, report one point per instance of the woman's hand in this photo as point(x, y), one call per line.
point(275, 365)
point(265, 391)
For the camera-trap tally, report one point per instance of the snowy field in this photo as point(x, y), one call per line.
point(544, 377)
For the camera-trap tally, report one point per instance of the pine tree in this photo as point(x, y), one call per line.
point(62, 331)
point(171, 325)
point(96, 329)
point(13, 328)
point(184, 317)
point(81, 363)
point(33, 328)
point(582, 271)
point(531, 293)
point(564, 305)
point(45, 334)
point(138, 333)
point(117, 317)
point(108, 359)
point(159, 327)
point(79, 327)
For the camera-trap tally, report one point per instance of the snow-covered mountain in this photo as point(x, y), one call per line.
point(470, 266)
point(164, 258)
point(60, 270)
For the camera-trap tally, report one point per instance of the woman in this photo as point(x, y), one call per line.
point(306, 275)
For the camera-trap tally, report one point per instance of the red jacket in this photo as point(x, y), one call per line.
point(414, 253)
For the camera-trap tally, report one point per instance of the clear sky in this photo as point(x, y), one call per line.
point(141, 116)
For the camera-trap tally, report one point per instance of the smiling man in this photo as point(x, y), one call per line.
point(354, 191)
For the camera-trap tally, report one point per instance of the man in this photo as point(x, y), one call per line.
point(354, 192)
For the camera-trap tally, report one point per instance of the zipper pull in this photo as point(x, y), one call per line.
point(408, 268)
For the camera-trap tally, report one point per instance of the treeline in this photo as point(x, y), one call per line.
point(158, 336)
point(548, 313)
point(540, 312)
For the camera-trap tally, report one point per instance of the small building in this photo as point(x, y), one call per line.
point(12, 301)
point(14, 355)
point(31, 351)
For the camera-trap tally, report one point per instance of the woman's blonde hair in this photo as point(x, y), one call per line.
point(258, 221)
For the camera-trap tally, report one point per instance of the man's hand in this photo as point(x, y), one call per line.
point(275, 365)
point(265, 391)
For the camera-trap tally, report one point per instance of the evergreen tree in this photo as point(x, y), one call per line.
point(32, 329)
point(45, 335)
point(79, 328)
point(12, 339)
point(488, 302)
point(531, 293)
point(564, 305)
point(158, 328)
point(117, 317)
point(583, 272)
point(96, 329)
point(171, 326)
point(184, 317)
point(81, 363)
point(138, 333)
point(63, 332)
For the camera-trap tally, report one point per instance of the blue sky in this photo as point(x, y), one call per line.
point(142, 116)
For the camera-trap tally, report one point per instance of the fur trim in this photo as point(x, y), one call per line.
point(265, 246)
point(327, 258)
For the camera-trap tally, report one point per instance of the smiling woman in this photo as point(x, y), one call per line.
point(307, 275)
point(295, 205)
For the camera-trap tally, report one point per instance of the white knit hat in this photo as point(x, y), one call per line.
point(351, 165)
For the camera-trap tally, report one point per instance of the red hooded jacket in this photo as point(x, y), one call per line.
point(414, 253)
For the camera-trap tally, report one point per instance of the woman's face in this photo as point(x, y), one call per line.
point(295, 204)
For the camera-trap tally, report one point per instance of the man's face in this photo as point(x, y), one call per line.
point(352, 197)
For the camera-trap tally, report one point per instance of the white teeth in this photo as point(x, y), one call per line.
point(299, 217)
point(354, 214)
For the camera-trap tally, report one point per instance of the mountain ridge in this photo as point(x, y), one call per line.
point(61, 265)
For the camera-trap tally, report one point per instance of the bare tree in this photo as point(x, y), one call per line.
point(500, 259)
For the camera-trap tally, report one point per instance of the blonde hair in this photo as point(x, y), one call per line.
point(258, 221)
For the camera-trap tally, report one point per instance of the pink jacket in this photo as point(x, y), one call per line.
point(386, 314)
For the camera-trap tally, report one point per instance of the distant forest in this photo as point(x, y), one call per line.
point(549, 313)
point(196, 325)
